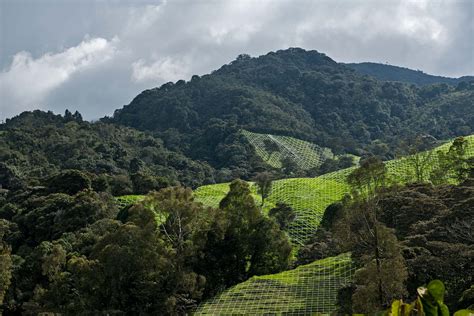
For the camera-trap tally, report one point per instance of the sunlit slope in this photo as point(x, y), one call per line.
point(305, 154)
point(309, 197)
point(306, 290)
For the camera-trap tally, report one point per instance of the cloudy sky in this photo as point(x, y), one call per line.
point(95, 56)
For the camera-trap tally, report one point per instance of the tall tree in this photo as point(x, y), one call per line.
point(373, 245)
point(242, 242)
point(420, 157)
point(453, 164)
point(5, 262)
point(264, 182)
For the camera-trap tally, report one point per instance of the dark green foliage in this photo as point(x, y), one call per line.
point(37, 145)
point(321, 245)
point(76, 254)
point(283, 214)
point(330, 165)
point(467, 298)
point(434, 225)
point(242, 242)
point(331, 214)
point(69, 182)
point(270, 147)
point(5, 262)
point(47, 217)
point(264, 181)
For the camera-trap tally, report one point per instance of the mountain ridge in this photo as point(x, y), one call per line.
point(388, 72)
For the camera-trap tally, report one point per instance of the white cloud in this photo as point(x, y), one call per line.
point(165, 69)
point(27, 81)
point(164, 41)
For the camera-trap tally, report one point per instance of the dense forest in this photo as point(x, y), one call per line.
point(68, 246)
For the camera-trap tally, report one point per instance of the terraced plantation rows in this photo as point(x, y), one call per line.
point(273, 149)
point(306, 290)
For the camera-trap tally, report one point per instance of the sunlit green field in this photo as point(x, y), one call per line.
point(306, 290)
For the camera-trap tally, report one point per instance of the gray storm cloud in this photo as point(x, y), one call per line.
point(95, 56)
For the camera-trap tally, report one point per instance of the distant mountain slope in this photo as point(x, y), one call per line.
point(395, 73)
point(297, 93)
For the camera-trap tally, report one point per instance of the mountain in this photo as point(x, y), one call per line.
point(394, 73)
point(297, 93)
point(192, 131)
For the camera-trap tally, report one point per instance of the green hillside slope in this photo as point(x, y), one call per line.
point(304, 154)
point(306, 290)
point(311, 288)
point(309, 197)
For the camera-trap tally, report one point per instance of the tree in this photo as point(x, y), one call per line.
point(283, 214)
point(369, 177)
point(373, 245)
point(452, 164)
point(5, 262)
point(133, 271)
point(381, 279)
point(264, 181)
point(420, 157)
point(69, 182)
point(270, 147)
point(289, 166)
point(242, 242)
point(183, 225)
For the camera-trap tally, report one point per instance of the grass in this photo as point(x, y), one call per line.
point(306, 290)
point(305, 154)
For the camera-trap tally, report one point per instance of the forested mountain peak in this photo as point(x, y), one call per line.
point(298, 93)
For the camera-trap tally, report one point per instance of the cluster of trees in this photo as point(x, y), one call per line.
point(36, 145)
point(67, 248)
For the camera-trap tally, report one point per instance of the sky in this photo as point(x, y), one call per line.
point(95, 56)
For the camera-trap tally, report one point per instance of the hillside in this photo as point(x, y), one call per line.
point(36, 145)
point(310, 197)
point(313, 287)
point(394, 73)
point(431, 222)
point(302, 291)
point(297, 93)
